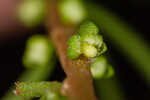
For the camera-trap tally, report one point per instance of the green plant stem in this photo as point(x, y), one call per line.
point(31, 75)
point(124, 37)
point(37, 89)
point(109, 89)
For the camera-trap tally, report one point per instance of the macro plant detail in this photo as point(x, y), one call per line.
point(80, 48)
point(38, 54)
point(39, 50)
point(85, 46)
point(87, 42)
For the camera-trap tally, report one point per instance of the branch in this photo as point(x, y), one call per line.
point(79, 84)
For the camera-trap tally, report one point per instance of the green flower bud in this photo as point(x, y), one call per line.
point(88, 28)
point(72, 11)
point(89, 50)
point(88, 38)
point(32, 12)
point(38, 53)
point(99, 67)
point(74, 50)
point(95, 40)
point(90, 44)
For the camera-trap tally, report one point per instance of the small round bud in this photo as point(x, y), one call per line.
point(88, 39)
point(32, 12)
point(72, 11)
point(98, 67)
point(89, 51)
point(88, 28)
point(38, 52)
point(95, 40)
point(74, 50)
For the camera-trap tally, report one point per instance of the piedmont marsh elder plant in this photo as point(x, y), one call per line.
point(84, 46)
point(38, 52)
point(89, 43)
point(81, 54)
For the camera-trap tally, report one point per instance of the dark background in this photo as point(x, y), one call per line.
point(134, 12)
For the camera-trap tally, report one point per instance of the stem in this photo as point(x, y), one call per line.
point(79, 84)
point(36, 89)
